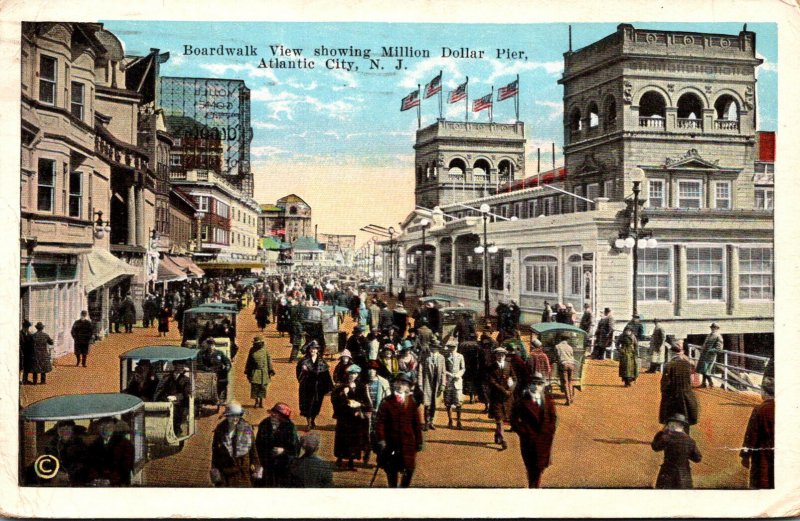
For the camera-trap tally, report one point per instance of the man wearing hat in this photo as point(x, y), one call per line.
point(758, 452)
point(351, 407)
point(712, 346)
point(42, 362)
point(533, 418)
point(431, 377)
point(400, 319)
point(398, 430)
point(277, 444)
point(176, 388)
point(501, 380)
point(374, 315)
point(677, 394)
point(309, 470)
point(71, 451)
point(82, 335)
point(385, 316)
point(679, 449)
point(547, 312)
point(233, 455)
point(455, 368)
point(296, 329)
point(25, 350)
point(357, 345)
point(604, 334)
point(657, 338)
point(424, 336)
point(565, 359)
point(212, 360)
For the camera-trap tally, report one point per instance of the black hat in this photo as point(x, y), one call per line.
point(404, 376)
point(678, 417)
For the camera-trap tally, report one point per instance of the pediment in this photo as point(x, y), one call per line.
point(691, 160)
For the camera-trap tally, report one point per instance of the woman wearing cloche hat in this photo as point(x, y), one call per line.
point(233, 456)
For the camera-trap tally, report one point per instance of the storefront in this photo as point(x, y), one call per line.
point(105, 276)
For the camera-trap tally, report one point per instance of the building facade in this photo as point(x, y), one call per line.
point(669, 113)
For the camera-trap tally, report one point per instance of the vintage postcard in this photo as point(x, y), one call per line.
point(517, 261)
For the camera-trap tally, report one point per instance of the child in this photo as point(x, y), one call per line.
point(679, 448)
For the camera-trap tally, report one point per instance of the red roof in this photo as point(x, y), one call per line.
point(766, 147)
point(559, 174)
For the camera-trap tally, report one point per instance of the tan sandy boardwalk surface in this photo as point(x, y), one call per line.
point(603, 439)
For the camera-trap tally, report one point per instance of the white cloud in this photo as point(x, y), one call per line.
point(556, 109)
point(505, 69)
point(175, 59)
point(267, 151)
point(767, 66)
point(284, 103)
point(344, 80)
point(424, 71)
point(331, 133)
point(546, 149)
point(302, 86)
point(239, 68)
point(264, 125)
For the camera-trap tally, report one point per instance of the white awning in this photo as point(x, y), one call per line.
point(103, 268)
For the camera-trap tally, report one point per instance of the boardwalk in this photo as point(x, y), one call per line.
point(603, 439)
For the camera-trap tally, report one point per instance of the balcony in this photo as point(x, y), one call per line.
point(726, 124)
point(652, 122)
point(689, 124)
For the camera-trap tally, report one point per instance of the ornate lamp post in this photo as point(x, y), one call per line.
point(424, 223)
point(391, 259)
point(485, 249)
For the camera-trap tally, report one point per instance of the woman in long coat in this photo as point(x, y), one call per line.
point(163, 320)
point(284, 317)
point(712, 346)
point(259, 371)
point(315, 382)
point(471, 380)
point(42, 362)
point(262, 314)
point(628, 348)
point(351, 406)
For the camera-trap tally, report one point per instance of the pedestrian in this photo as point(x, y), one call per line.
point(164, 315)
point(351, 406)
point(296, 327)
point(603, 335)
point(26, 352)
point(712, 346)
point(486, 361)
point(657, 347)
point(679, 449)
point(357, 346)
point(233, 450)
point(111, 455)
point(377, 388)
point(388, 365)
point(259, 371)
point(538, 362)
point(315, 382)
point(636, 326)
point(42, 362)
point(677, 394)
point(128, 313)
point(547, 312)
point(212, 360)
point(406, 359)
point(115, 313)
point(400, 319)
point(82, 336)
point(431, 379)
point(340, 371)
point(309, 470)
point(628, 349)
point(424, 336)
point(758, 452)
point(401, 296)
point(398, 430)
point(587, 320)
point(277, 444)
point(455, 368)
point(566, 367)
point(471, 380)
point(534, 419)
point(501, 381)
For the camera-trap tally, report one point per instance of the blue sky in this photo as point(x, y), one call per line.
point(335, 127)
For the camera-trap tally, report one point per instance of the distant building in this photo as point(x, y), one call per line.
point(289, 218)
point(339, 249)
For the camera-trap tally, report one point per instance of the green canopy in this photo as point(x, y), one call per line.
point(459, 310)
point(218, 308)
point(81, 406)
point(548, 327)
point(272, 244)
point(167, 353)
point(436, 298)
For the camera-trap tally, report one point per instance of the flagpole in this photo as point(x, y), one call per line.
point(419, 107)
point(466, 101)
point(491, 104)
point(440, 94)
point(516, 99)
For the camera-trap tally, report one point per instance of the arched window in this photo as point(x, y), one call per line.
point(540, 275)
point(610, 112)
point(456, 168)
point(480, 170)
point(575, 122)
point(690, 111)
point(726, 108)
point(652, 110)
point(506, 170)
point(445, 260)
point(594, 117)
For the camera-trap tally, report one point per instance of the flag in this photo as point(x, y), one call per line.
point(458, 94)
point(482, 103)
point(434, 87)
point(509, 91)
point(410, 101)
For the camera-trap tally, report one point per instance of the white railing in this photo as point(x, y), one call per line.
point(726, 124)
point(690, 123)
point(652, 122)
point(734, 376)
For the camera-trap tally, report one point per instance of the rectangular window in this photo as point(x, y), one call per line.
point(48, 68)
point(77, 100)
point(580, 204)
point(608, 189)
point(764, 198)
point(690, 194)
point(175, 160)
point(202, 203)
point(46, 188)
point(705, 273)
point(654, 276)
point(722, 195)
point(575, 280)
point(518, 210)
point(548, 206)
point(204, 232)
point(541, 275)
point(593, 191)
point(655, 193)
point(532, 208)
point(75, 194)
point(755, 274)
point(222, 209)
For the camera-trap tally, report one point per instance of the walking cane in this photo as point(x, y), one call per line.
point(374, 475)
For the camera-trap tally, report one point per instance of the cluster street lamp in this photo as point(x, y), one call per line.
point(391, 259)
point(485, 249)
point(101, 227)
point(635, 237)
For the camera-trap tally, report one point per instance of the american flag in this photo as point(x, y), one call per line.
point(458, 94)
point(509, 91)
point(482, 103)
point(434, 87)
point(410, 101)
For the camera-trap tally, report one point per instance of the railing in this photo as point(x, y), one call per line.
point(734, 376)
point(726, 124)
point(651, 122)
point(690, 123)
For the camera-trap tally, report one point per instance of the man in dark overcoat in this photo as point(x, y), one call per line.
point(82, 335)
point(501, 380)
point(677, 395)
point(398, 430)
point(679, 449)
point(758, 453)
point(604, 334)
point(533, 418)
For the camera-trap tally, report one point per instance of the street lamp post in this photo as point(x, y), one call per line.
point(374, 254)
point(485, 249)
point(424, 223)
point(199, 216)
point(391, 259)
point(636, 238)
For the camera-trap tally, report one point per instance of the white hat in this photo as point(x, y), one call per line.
point(234, 409)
